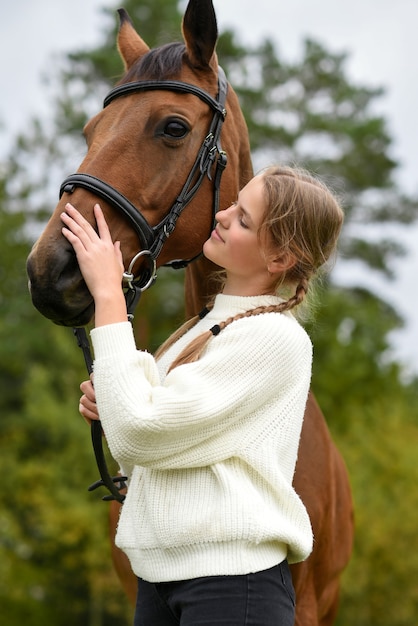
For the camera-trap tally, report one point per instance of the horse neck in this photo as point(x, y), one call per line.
point(199, 285)
point(202, 276)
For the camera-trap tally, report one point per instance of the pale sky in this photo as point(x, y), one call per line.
point(379, 36)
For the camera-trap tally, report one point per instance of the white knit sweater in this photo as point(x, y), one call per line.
point(210, 448)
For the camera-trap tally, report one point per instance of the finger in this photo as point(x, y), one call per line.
point(78, 225)
point(86, 419)
point(74, 233)
point(88, 410)
point(102, 225)
point(72, 215)
point(119, 254)
point(68, 234)
point(88, 390)
point(88, 404)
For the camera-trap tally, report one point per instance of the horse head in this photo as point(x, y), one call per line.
point(151, 162)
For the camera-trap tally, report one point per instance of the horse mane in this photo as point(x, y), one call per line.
point(160, 63)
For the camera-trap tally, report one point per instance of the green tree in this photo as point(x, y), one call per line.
point(308, 112)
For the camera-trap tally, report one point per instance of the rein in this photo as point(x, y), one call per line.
point(152, 238)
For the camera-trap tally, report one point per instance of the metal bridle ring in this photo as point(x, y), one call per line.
point(128, 276)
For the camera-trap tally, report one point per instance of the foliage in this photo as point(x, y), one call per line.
point(379, 446)
point(348, 344)
point(310, 114)
point(53, 544)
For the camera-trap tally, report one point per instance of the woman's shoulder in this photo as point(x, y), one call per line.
point(278, 327)
point(264, 324)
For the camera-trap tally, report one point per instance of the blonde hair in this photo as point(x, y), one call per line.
point(302, 219)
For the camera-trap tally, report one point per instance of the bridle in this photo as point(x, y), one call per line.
point(152, 238)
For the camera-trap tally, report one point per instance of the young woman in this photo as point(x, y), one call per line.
point(208, 431)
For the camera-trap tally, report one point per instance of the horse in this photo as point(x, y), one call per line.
point(173, 118)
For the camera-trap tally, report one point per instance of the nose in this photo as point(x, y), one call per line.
point(223, 216)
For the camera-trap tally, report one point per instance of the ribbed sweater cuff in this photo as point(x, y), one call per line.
point(113, 339)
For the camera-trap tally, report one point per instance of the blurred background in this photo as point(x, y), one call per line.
point(328, 85)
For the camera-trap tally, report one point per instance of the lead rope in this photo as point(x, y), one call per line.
point(114, 484)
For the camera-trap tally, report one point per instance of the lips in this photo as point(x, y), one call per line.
point(216, 235)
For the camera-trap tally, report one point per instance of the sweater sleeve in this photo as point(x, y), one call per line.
point(202, 411)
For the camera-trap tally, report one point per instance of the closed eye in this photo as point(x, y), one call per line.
point(241, 215)
point(242, 221)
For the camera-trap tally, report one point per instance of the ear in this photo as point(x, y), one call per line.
point(130, 45)
point(281, 264)
point(200, 33)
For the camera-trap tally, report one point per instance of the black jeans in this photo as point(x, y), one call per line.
point(265, 598)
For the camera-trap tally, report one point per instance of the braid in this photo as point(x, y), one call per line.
point(297, 299)
point(194, 350)
point(181, 331)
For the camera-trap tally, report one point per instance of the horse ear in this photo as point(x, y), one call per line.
point(130, 45)
point(200, 33)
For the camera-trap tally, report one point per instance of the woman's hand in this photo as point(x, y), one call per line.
point(100, 259)
point(87, 406)
point(100, 262)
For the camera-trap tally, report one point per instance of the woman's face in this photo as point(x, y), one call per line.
point(234, 243)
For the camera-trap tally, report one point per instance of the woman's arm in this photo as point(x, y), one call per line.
point(194, 416)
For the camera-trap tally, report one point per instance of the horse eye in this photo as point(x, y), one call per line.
point(176, 129)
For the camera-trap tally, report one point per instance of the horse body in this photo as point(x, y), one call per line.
point(144, 146)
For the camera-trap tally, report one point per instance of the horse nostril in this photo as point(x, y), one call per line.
point(60, 274)
point(67, 268)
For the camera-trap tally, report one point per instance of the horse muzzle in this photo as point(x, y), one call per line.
point(57, 287)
